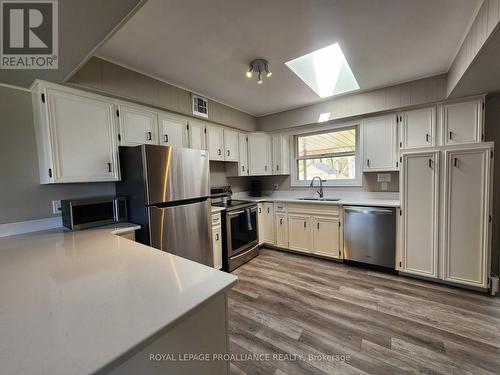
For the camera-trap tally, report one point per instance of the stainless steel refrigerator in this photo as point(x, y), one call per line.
point(167, 190)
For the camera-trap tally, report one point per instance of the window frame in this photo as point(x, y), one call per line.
point(356, 181)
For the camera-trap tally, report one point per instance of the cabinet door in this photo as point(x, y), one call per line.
point(268, 222)
point(281, 224)
point(217, 246)
point(196, 135)
point(259, 154)
point(299, 232)
point(281, 157)
point(418, 128)
point(173, 130)
point(215, 142)
point(260, 222)
point(84, 139)
point(138, 126)
point(462, 122)
point(380, 146)
point(326, 236)
point(420, 192)
point(231, 142)
point(243, 154)
point(466, 216)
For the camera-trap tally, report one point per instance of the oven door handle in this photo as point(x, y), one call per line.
point(236, 213)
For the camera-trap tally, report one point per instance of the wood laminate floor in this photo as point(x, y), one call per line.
point(308, 308)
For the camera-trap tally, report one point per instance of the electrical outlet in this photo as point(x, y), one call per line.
point(275, 186)
point(56, 207)
point(384, 186)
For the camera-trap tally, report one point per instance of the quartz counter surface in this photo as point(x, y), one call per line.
point(73, 302)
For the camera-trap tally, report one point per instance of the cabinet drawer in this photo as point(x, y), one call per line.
point(323, 209)
point(279, 207)
point(216, 219)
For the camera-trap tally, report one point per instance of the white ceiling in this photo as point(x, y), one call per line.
point(205, 46)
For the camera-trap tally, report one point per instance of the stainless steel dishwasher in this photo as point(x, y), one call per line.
point(370, 235)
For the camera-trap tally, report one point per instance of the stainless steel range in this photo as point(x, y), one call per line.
point(241, 241)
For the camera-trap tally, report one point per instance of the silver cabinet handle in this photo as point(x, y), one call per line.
point(219, 152)
point(368, 210)
point(430, 163)
point(228, 153)
point(243, 168)
point(149, 136)
point(265, 167)
point(450, 135)
point(318, 226)
point(268, 210)
point(109, 168)
point(166, 138)
point(281, 221)
point(455, 162)
point(217, 236)
point(305, 225)
point(367, 162)
point(427, 137)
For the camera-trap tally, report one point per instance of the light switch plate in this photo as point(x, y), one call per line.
point(383, 177)
point(56, 207)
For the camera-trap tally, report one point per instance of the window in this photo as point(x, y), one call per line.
point(330, 155)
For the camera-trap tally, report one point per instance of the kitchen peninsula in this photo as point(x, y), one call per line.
point(94, 302)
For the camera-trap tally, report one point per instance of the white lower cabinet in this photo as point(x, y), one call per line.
point(299, 232)
point(281, 225)
point(326, 236)
point(466, 216)
point(266, 222)
point(459, 211)
point(217, 240)
point(420, 199)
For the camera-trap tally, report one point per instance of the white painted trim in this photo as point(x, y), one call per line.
point(6, 85)
point(11, 229)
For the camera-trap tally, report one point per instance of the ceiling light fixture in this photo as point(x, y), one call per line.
point(259, 66)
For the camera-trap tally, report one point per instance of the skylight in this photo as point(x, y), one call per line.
point(326, 71)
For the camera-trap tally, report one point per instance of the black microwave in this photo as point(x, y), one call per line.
point(88, 213)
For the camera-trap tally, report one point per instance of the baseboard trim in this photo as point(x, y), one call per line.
point(21, 227)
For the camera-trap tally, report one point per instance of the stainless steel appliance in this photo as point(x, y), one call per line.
point(168, 195)
point(241, 242)
point(94, 212)
point(370, 235)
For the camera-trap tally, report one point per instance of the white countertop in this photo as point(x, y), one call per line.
point(216, 209)
point(72, 302)
point(357, 200)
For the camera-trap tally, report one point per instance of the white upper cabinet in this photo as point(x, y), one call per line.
point(420, 202)
point(418, 128)
point(281, 154)
point(173, 130)
point(240, 168)
point(380, 144)
point(462, 122)
point(196, 134)
point(215, 142)
point(259, 154)
point(231, 145)
point(137, 126)
point(76, 136)
point(466, 211)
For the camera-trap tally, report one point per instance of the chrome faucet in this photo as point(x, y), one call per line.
point(320, 191)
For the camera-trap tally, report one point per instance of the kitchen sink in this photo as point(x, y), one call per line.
point(320, 199)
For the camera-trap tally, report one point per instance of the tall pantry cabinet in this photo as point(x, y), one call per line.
point(446, 201)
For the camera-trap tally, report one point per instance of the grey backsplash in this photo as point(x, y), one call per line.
point(218, 178)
